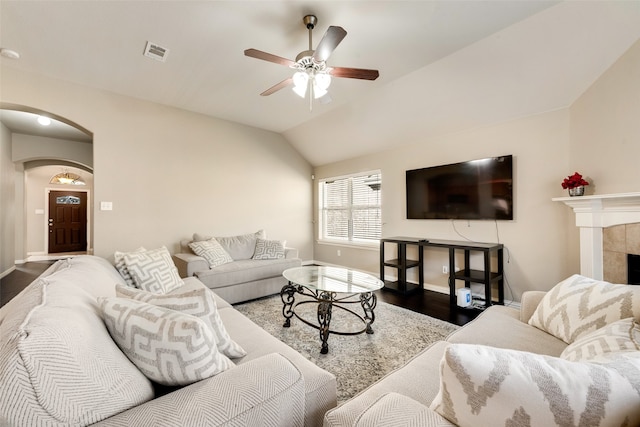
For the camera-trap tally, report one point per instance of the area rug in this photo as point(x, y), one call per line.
point(356, 360)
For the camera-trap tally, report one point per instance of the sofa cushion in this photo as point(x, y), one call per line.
point(320, 385)
point(269, 249)
point(169, 347)
point(500, 326)
point(118, 257)
point(579, 305)
point(194, 299)
point(239, 247)
point(58, 364)
point(394, 409)
point(481, 385)
point(245, 271)
point(601, 344)
point(211, 251)
point(153, 270)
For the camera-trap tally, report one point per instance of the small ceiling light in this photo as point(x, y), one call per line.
point(44, 121)
point(8, 53)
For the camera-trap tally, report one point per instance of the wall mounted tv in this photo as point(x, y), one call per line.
point(478, 189)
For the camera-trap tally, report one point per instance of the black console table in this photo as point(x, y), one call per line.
point(468, 275)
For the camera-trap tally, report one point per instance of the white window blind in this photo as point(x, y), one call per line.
point(350, 208)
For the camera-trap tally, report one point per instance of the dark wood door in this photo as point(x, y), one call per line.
point(67, 221)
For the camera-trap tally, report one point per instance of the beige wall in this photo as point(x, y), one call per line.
point(7, 202)
point(170, 173)
point(536, 237)
point(605, 128)
point(29, 147)
point(598, 135)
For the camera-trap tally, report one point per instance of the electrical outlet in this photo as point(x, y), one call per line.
point(339, 253)
point(445, 269)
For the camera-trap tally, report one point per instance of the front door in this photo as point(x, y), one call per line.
point(67, 221)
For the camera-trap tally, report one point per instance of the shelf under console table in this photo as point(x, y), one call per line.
point(466, 274)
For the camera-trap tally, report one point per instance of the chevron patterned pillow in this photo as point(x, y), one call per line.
point(211, 251)
point(481, 385)
point(269, 249)
point(196, 300)
point(579, 305)
point(603, 344)
point(169, 347)
point(153, 270)
point(122, 267)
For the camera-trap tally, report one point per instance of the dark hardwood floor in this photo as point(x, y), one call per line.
point(13, 283)
point(431, 303)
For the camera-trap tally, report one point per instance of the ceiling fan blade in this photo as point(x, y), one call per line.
point(354, 73)
point(258, 54)
point(277, 87)
point(329, 42)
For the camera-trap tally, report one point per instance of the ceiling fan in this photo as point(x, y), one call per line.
point(313, 75)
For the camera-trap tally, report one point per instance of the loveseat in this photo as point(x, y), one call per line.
point(252, 269)
point(61, 361)
point(567, 357)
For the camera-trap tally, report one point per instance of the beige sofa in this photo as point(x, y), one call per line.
point(243, 279)
point(405, 396)
point(59, 365)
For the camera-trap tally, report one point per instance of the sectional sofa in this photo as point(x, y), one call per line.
point(567, 357)
point(66, 345)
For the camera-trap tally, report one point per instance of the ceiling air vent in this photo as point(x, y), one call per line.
point(156, 52)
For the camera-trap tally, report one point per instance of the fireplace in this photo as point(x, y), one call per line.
point(609, 231)
point(633, 269)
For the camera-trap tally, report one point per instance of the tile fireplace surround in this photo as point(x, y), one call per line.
point(609, 230)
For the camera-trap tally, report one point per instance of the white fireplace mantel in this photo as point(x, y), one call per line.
point(593, 213)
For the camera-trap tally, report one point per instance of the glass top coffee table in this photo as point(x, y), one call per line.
point(329, 288)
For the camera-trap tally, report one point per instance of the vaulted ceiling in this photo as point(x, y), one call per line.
point(444, 65)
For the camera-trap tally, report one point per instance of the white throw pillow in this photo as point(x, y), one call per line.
point(269, 249)
point(153, 271)
point(122, 267)
point(211, 251)
point(603, 344)
point(169, 347)
point(579, 305)
point(481, 385)
point(196, 300)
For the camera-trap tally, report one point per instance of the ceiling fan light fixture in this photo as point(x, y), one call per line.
point(300, 83)
point(322, 81)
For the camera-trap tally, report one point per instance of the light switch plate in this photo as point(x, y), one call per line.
point(106, 206)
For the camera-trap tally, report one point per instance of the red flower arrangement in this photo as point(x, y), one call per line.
point(574, 181)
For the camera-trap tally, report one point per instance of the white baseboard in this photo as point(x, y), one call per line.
point(8, 271)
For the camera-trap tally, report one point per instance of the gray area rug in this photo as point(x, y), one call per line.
point(356, 360)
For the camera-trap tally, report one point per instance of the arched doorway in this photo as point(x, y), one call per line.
point(31, 155)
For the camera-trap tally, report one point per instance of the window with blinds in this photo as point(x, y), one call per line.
point(350, 208)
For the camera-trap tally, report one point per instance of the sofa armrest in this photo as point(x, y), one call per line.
point(290, 253)
point(265, 391)
point(529, 303)
point(397, 409)
point(189, 264)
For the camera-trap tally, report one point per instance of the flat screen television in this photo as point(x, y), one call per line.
point(478, 189)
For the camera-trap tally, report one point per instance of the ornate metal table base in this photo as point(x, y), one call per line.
point(327, 301)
